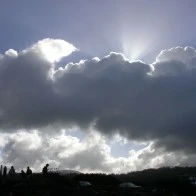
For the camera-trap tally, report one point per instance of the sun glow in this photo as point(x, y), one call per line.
point(134, 50)
point(135, 46)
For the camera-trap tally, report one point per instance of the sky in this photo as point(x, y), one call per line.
point(97, 86)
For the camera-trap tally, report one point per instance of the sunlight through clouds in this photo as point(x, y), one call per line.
point(135, 46)
point(109, 98)
point(53, 50)
point(134, 49)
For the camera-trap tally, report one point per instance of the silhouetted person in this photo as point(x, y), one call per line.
point(12, 171)
point(23, 174)
point(1, 170)
point(5, 171)
point(45, 169)
point(29, 171)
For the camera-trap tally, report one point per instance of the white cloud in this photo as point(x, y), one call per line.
point(92, 154)
point(53, 50)
point(11, 53)
point(182, 54)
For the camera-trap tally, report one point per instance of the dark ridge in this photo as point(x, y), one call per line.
point(178, 181)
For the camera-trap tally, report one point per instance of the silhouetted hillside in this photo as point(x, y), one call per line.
point(163, 181)
point(155, 176)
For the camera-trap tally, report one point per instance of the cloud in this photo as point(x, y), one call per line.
point(182, 54)
point(63, 151)
point(112, 95)
point(92, 154)
point(53, 50)
point(11, 53)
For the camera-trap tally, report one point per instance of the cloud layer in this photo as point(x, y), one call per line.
point(92, 154)
point(111, 95)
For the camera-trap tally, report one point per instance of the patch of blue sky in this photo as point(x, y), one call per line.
point(76, 133)
point(120, 149)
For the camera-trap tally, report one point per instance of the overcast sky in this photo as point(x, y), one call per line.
point(97, 86)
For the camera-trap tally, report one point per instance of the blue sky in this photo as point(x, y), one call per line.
point(98, 27)
point(121, 111)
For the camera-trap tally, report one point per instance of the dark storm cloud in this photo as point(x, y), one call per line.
point(141, 101)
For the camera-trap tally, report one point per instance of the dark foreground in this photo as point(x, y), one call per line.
point(163, 182)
